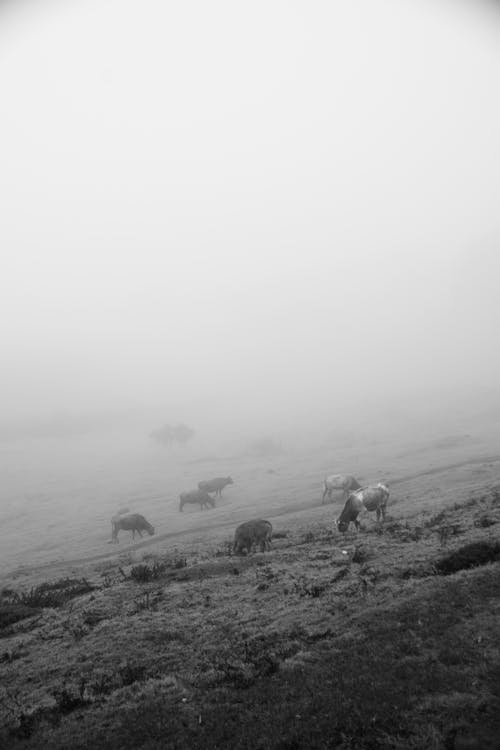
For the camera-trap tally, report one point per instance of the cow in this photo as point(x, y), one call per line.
point(367, 499)
point(215, 485)
point(134, 522)
point(252, 533)
point(345, 483)
point(201, 497)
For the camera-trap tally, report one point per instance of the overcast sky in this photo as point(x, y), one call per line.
point(247, 208)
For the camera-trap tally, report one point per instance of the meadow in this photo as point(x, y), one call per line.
point(380, 639)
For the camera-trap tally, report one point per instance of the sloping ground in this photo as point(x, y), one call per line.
point(315, 645)
point(56, 507)
point(290, 494)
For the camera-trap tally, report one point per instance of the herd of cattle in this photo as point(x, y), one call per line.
point(255, 533)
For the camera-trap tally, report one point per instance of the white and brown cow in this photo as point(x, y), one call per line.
point(368, 499)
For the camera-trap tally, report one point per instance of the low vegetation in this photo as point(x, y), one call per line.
point(384, 639)
point(470, 556)
point(15, 605)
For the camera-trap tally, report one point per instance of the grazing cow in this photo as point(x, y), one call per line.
point(215, 485)
point(252, 533)
point(370, 498)
point(201, 497)
point(134, 522)
point(345, 483)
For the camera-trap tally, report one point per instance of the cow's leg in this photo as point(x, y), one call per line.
point(361, 513)
point(139, 532)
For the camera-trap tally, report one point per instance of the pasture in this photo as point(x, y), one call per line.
point(329, 640)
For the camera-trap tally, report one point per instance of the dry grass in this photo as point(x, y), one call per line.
point(316, 644)
point(329, 640)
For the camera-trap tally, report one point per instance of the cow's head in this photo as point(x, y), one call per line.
point(342, 525)
point(229, 480)
point(150, 529)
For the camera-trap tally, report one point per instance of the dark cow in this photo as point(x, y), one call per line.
point(252, 533)
point(368, 499)
point(215, 485)
point(200, 497)
point(134, 522)
point(344, 483)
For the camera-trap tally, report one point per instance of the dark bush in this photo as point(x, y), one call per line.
point(470, 556)
point(15, 606)
point(55, 594)
point(484, 521)
point(361, 554)
point(67, 701)
point(12, 612)
point(145, 573)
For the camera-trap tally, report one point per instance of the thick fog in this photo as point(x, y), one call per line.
point(249, 214)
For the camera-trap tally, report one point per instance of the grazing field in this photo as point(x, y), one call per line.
point(387, 638)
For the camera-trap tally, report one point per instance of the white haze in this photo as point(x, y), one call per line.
point(248, 214)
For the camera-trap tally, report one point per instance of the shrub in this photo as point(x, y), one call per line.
point(16, 606)
point(12, 612)
point(145, 573)
point(361, 554)
point(68, 700)
point(54, 594)
point(470, 556)
point(484, 521)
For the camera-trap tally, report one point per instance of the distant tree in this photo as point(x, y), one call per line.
point(182, 433)
point(170, 434)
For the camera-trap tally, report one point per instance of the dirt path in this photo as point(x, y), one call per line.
point(54, 565)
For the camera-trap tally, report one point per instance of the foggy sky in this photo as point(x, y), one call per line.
point(257, 209)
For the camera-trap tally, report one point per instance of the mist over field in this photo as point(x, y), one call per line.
point(249, 374)
point(276, 223)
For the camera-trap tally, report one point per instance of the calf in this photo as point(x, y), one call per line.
point(252, 533)
point(370, 498)
point(134, 522)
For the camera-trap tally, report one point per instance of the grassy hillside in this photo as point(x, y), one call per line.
point(375, 640)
